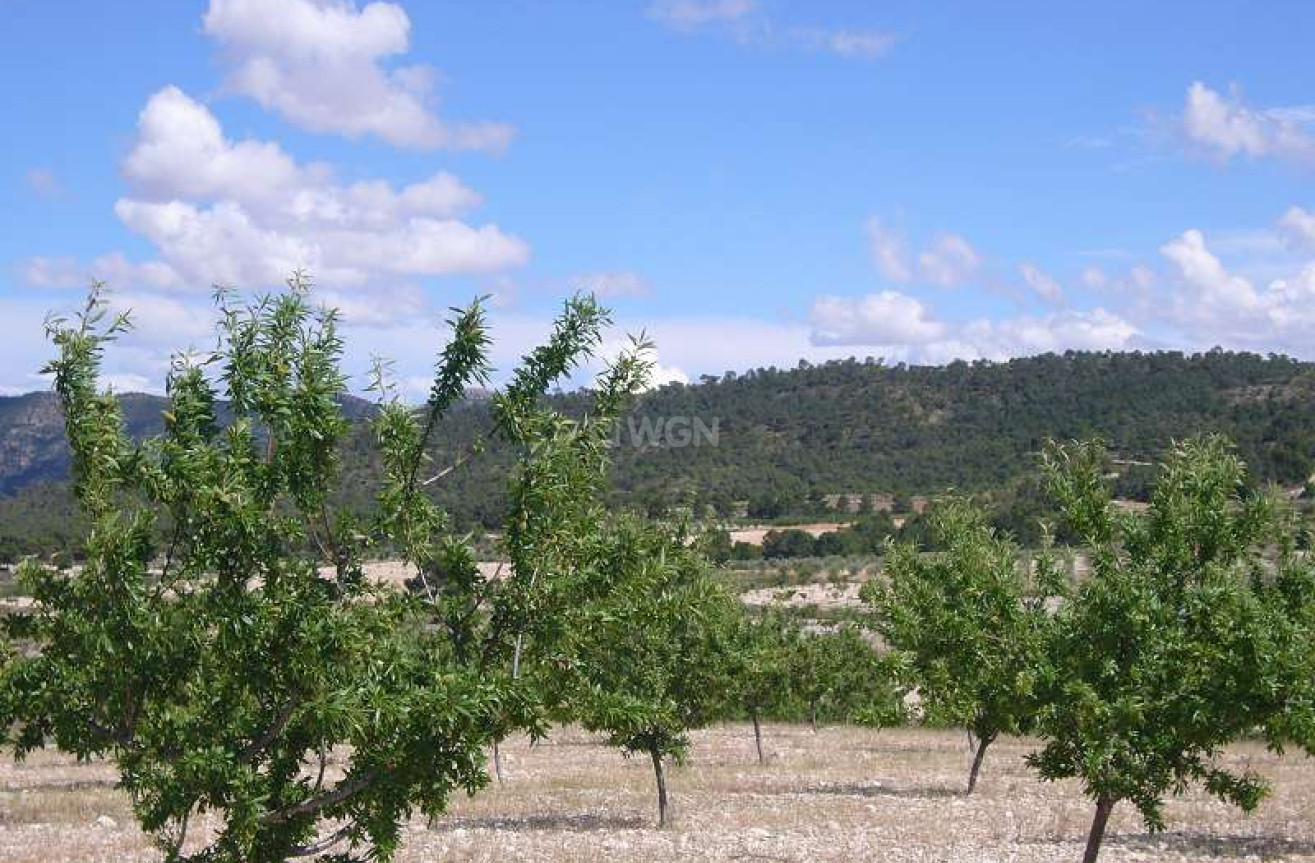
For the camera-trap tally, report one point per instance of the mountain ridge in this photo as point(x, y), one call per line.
point(785, 437)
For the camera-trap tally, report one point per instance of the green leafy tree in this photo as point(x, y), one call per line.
point(968, 623)
point(1193, 629)
point(839, 677)
point(791, 542)
point(764, 669)
point(647, 659)
point(221, 667)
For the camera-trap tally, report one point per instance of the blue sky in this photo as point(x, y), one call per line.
point(753, 181)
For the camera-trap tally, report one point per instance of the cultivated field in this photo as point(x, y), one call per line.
point(841, 795)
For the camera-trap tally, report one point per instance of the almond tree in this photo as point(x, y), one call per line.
point(501, 620)
point(648, 658)
point(840, 677)
point(221, 668)
point(967, 624)
point(1194, 628)
point(765, 653)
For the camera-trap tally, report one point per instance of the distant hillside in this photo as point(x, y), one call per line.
point(788, 437)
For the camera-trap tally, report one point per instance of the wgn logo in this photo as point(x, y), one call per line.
point(670, 432)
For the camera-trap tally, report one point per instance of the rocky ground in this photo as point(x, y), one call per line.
point(841, 795)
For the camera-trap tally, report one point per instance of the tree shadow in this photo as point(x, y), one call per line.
point(1195, 845)
point(1210, 845)
point(57, 786)
point(583, 823)
point(855, 790)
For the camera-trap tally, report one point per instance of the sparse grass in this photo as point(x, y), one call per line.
point(844, 794)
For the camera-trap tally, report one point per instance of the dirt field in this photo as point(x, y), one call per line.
point(841, 795)
point(754, 535)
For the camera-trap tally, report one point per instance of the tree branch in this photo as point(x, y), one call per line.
point(261, 743)
point(321, 845)
point(343, 791)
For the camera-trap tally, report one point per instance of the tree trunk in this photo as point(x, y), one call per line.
point(497, 762)
point(663, 808)
point(1104, 806)
point(812, 717)
point(982, 743)
point(758, 738)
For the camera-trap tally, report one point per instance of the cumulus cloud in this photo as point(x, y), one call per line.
point(889, 317)
point(1042, 283)
point(380, 309)
point(612, 283)
point(1203, 272)
point(245, 214)
point(1094, 329)
point(1216, 305)
point(661, 375)
point(949, 261)
point(890, 251)
point(902, 328)
point(181, 153)
point(1224, 126)
point(112, 268)
point(1298, 225)
point(321, 64)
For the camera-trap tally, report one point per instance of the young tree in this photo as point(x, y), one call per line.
point(1194, 628)
point(647, 658)
point(556, 503)
point(764, 668)
point(968, 624)
point(839, 677)
point(223, 679)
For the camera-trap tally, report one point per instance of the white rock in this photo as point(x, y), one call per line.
point(106, 822)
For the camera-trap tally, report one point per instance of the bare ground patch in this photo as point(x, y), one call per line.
point(841, 795)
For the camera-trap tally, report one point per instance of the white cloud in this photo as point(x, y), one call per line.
point(900, 327)
point(1216, 306)
point(181, 153)
point(1142, 278)
point(855, 44)
point(1095, 329)
point(661, 375)
point(949, 261)
point(693, 14)
point(246, 214)
point(1299, 226)
point(1094, 278)
point(1205, 274)
point(612, 283)
point(381, 309)
point(876, 319)
point(1224, 127)
point(890, 251)
point(749, 23)
point(113, 268)
point(320, 64)
point(56, 272)
point(1042, 283)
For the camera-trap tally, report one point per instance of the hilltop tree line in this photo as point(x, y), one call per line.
point(790, 441)
point(221, 643)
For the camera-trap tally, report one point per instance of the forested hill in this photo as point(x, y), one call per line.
point(853, 426)
point(846, 427)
